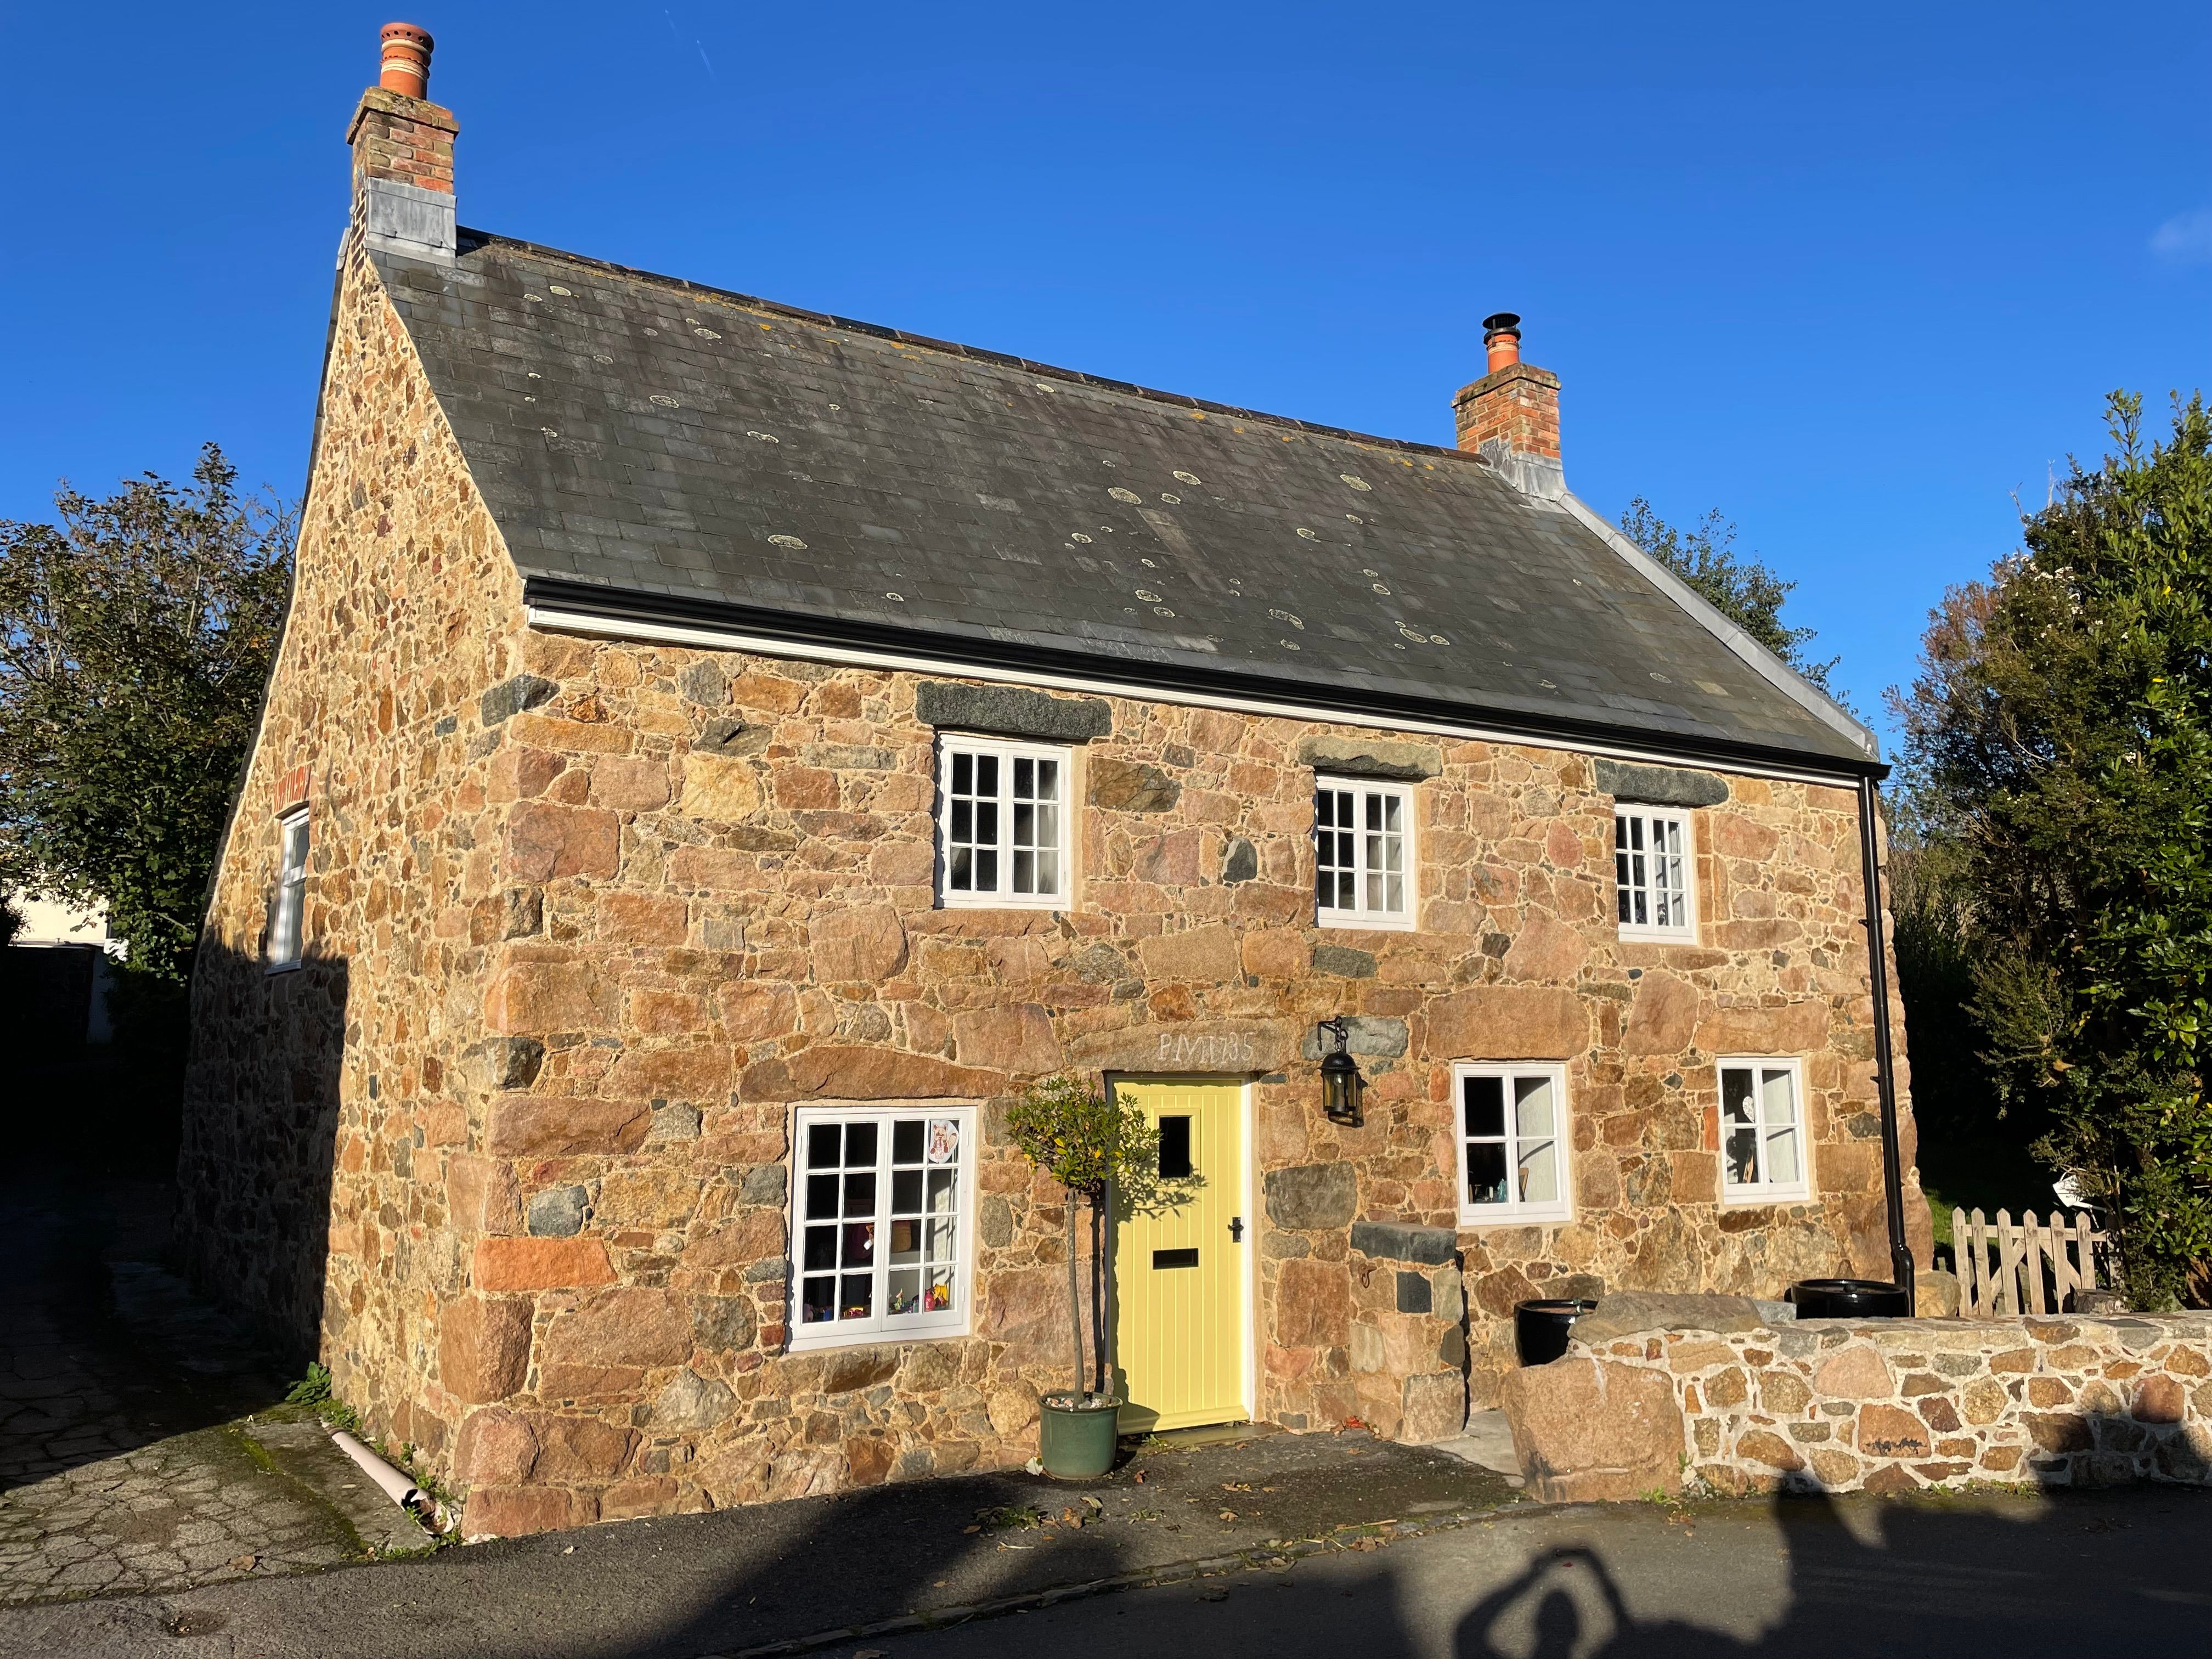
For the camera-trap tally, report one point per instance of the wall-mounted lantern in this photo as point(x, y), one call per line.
point(1340, 1082)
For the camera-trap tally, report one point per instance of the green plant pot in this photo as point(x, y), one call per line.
point(1077, 1443)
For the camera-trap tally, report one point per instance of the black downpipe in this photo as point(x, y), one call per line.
point(1884, 1065)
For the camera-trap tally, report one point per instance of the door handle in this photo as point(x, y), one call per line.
point(1236, 1230)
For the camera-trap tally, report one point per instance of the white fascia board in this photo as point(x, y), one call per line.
point(1761, 661)
point(552, 619)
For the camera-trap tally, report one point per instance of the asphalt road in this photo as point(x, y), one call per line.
point(2081, 1576)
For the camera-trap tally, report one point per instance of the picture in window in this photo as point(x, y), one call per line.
point(879, 1225)
point(1652, 870)
point(1004, 823)
point(1762, 1130)
point(1362, 856)
point(1512, 1143)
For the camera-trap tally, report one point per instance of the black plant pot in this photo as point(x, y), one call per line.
point(1540, 1328)
point(1850, 1298)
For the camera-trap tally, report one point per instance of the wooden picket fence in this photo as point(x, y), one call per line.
point(2024, 1266)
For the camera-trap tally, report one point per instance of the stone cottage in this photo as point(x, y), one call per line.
point(720, 754)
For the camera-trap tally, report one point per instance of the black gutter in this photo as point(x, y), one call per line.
point(963, 650)
point(1885, 1063)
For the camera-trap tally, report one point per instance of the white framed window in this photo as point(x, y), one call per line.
point(1363, 853)
point(1512, 1136)
point(1764, 1156)
point(881, 1206)
point(1654, 859)
point(287, 907)
point(1003, 827)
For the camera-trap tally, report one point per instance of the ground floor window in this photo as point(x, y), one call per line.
point(1512, 1143)
point(1763, 1151)
point(880, 1229)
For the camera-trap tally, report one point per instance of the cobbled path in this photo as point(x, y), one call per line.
point(123, 1466)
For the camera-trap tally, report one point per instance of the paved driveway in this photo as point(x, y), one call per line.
point(124, 1463)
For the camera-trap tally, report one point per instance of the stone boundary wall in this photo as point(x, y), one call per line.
point(1879, 1406)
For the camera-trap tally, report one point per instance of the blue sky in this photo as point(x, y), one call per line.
point(1858, 276)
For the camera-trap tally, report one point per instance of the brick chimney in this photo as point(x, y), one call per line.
point(403, 154)
point(1511, 416)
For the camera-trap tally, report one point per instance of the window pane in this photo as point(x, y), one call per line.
point(906, 1192)
point(1485, 1172)
point(1047, 878)
point(859, 1196)
point(818, 1300)
point(987, 823)
point(820, 1248)
point(941, 1192)
point(905, 1292)
point(942, 1236)
point(1048, 783)
point(1485, 1105)
point(964, 774)
point(906, 1243)
point(986, 775)
point(1742, 1156)
point(1024, 870)
point(821, 1197)
point(1532, 1107)
point(1777, 1105)
point(822, 1143)
point(1782, 1156)
point(857, 1295)
point(937, 1290)
point(906, 1140)
point(1024, 778)
point(859, 1145)
point(857, 1248)
point(1540, 1172)
point(961, 873)
point(1174, 1147)
point(1735, 1094)
point(986, 871)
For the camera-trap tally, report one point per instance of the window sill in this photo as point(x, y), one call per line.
point(1659, 935)
point(1492, 1220)
point(1769, 1198)
point(808, 1343)
point(1000, 901)
point(1353, 923)
point(270, 969)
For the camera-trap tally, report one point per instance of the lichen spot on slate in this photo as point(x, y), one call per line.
point(1187, 477)
point(1122, 495)
point(1356, 481)
point(1308, 534)
point(1284, 615)
point(557, 288)
point(1172, 501)
point(664, 400)
point(1078, 536)
point(791, 542)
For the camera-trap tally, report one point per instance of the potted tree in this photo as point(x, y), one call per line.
point(1101, 1150)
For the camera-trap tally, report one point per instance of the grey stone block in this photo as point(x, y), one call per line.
point(1008, 711)
point(1372, 757)
point(557, 1212)
point(510, 697)
point(1344, 962)
point(1308, 1196)
point(1242, 863)
point(1378, 1038)
point(1399, 1240)
point(1413, 1293)
point(1660, 786)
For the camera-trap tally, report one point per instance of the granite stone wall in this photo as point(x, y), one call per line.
point(588, 919)
point(1879, 1405)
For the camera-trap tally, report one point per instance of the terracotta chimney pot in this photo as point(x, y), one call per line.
point(1501, 337)
point(406, 60)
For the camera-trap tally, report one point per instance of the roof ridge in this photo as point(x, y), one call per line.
point(975, 354)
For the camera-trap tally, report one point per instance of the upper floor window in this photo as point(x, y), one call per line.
point(1653, 857)
point(1005, 824)
point(881, 1203)
point(1512, 1143)
point(1763, 1151)
point(287, 908)
point(1363, 855)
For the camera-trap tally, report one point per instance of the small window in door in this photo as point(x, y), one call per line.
point(287, 909)
point(1175, 1148)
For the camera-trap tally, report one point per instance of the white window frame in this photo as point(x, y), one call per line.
point(1684, 931)
point(1764, 1191)
point(288, 904)
point(1514, 1211)
point(949, 747)
point(880, 1325)
point(1363, 847)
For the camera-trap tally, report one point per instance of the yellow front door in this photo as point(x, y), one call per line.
point(1179, 1278)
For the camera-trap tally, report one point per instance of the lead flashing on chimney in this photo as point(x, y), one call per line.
point(406, 219)
point(1537, 477)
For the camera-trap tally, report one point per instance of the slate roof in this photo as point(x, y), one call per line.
point(655, 449)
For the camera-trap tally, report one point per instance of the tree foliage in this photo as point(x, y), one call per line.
point(2058, 745)
point(1744, 590)
point(1101, 1149)
point(135, 633)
